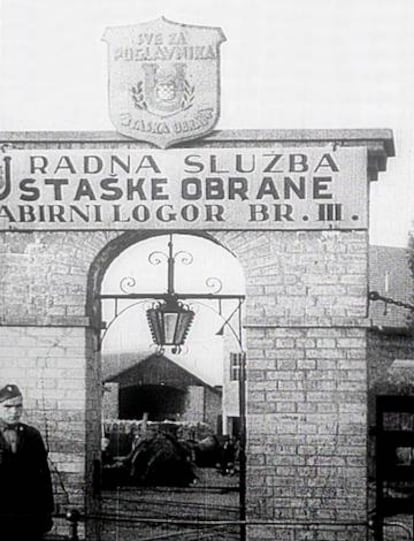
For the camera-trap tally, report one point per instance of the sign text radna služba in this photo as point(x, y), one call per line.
point(314, 188)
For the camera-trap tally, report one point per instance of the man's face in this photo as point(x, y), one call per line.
point(11, 410)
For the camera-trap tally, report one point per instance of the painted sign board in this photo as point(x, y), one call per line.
point(273, 188)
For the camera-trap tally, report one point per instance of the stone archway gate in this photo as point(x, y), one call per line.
point(293, 207)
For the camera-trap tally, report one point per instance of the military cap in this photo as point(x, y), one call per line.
point(9, 391)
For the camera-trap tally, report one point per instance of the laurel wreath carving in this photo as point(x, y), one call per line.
point(137, 92)
point(188, 97)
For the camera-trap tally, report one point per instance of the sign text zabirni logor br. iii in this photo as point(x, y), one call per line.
point(168, 186)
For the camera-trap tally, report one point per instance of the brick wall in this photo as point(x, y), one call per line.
point(306, 364)
point(194, 405)
point(48, 348)
point(307, 381)
point(48, 365)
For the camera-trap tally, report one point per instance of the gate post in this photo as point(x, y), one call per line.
point(306, 321)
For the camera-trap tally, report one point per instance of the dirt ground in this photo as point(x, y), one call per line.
point(149, 514)
point(213, 497)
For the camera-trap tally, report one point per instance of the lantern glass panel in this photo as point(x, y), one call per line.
point(183, 326)
point(155, 323)
point(171, 320)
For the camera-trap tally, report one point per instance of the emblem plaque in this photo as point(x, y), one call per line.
point(164, 84)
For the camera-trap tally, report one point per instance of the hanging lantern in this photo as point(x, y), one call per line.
point(170, 322)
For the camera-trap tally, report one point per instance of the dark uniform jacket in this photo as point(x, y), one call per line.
point(26, 498)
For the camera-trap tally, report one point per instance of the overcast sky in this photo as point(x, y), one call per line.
point(286, 64)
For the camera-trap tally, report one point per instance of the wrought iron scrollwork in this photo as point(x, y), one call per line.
point(184, 257)
point(214, 284)
point(155, 258)
point(127, 284)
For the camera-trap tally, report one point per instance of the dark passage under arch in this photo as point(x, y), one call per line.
point(159, 401)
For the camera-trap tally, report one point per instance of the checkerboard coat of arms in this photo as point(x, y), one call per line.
point(164, 80)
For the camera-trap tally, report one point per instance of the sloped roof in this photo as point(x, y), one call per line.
point(116, 362)
point(390, 275)
point(157, 370)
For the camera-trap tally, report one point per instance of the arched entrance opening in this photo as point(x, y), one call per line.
point(191, 398)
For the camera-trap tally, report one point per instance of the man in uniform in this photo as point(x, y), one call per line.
point(26, 498)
